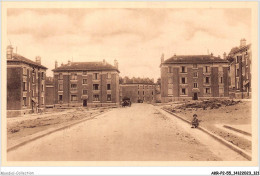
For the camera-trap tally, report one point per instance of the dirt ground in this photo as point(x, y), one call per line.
point(136, 133)
point(24, 126)
point(237, 114)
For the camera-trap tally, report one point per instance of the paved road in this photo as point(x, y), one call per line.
point(137, 133)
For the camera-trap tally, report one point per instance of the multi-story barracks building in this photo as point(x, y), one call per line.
point(87, 84)
point(25, 84)
point(188, 77)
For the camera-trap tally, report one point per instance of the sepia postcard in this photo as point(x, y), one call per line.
point(129, 84)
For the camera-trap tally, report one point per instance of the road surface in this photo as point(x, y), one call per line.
point(137, 133)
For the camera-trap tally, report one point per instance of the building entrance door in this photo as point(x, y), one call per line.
point(195, 96)
point(85, 103)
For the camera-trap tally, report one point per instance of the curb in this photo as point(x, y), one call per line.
point(237, 130)
point(221, 140)
point(38, 135)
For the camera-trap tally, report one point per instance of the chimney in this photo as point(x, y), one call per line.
point(104, 61)
point(242, 42)
point(116, 63)
point(56, 64)
point(9, 52)
point(62, 64)
point(162, 58)
point(211, 54)
point(69, 62)
point(174, 54)
point(224, 55)
point(38, 59)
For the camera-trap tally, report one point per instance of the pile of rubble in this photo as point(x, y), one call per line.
point(208, 104)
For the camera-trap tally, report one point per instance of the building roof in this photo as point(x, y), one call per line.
point(19, 58)
point(194, 59)
point(86, 66)
point(49, 80)
point(138, 83)
point(238, 49)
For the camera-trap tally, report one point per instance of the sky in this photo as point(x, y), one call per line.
point(137, 38)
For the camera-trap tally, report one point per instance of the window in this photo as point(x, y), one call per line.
point(195, 66)
point(221, 80)
point(60, 97)
point(73, 76)
point(183, 69)
point(206, 69)
point(108, 75)
point(238, 59)
point(33, 78)
point(60, 87)
point(85, 92)
point(108, 87)
point(42, 75)
point(24, 86)
point(42, 88)
point(42, 100)
point(195, 74)
point(207, 80)
point(95, 86)
point(183, 91)
point(73, 86)
point(60, 76)
point(95, 97)
point(207, 90)
point(138, 92)
point(95, 76)
point(195, 85)
point(84, 81)
point(108, 97)
point(24, 101)
point(74, 98)
point(84, 73)
point(152, 93)
point(143, 92)
point(169, 69)
point(183, 80)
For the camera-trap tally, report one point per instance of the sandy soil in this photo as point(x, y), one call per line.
point(24, 126)
point(238, 114)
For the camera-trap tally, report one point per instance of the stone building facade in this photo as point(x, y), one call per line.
point(49, 92)
point(25, 84)
point(87, 84)
point(240, 70)
point(193, 77)
point(138, 92)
